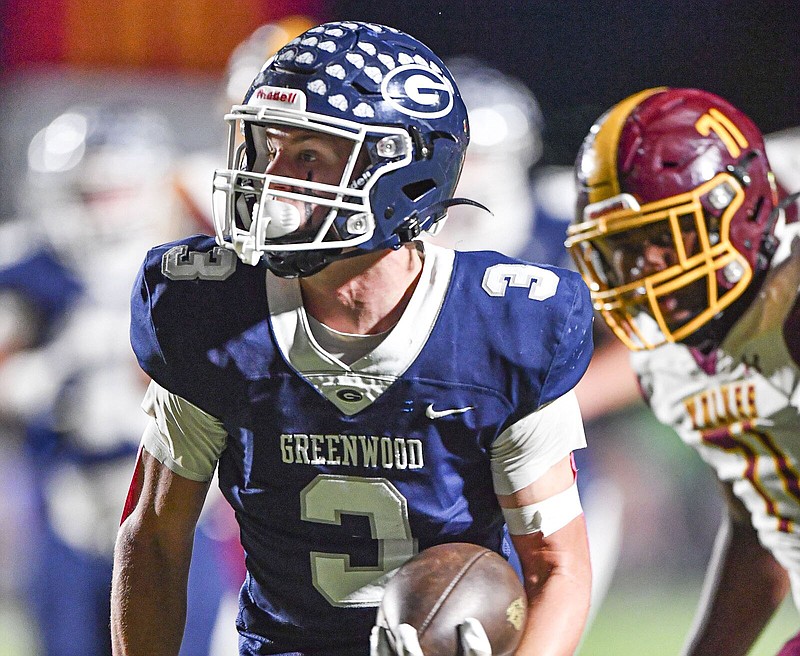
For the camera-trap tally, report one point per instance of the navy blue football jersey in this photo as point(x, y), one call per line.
point(46, 285)
point(339, 473)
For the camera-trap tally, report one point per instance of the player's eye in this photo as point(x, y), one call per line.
point(660, 241)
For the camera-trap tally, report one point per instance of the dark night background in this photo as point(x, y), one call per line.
point(579, 58)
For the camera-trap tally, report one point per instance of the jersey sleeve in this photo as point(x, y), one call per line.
point(529, 331)
point(144, 339)
point(573, 346)
point(528, 448)
point(181, 436)
point(188, 303)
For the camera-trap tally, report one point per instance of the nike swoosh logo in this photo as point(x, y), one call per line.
point(430, 413)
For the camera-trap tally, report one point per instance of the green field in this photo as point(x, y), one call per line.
point(645, 620)
point(652, 620)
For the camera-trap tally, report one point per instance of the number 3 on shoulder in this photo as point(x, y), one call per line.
point(540, 283)
point(179, 263)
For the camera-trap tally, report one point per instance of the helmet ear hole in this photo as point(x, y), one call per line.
point(418, 189)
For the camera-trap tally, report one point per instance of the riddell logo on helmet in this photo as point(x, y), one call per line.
point(282, 96)
point(278, 97)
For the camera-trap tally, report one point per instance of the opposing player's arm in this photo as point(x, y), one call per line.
point(151, 561)
point(549, 534)
point(744, 585)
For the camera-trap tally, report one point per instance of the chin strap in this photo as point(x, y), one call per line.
point(412, 228)
point(300, 263)
point(307, 263)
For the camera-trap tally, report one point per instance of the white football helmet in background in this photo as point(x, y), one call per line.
point(505, 143)
point(100, 180)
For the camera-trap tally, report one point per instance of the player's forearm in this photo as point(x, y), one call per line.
point(728, 621)
point(558, 600)
point(148, 595)
point(557, 616)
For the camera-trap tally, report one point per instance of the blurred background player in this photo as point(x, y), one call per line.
point(692, 254)
point(505, 144)
point(531, 209)
point(98, 192)
point(532, 205)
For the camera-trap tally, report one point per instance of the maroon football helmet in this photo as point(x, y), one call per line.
point(675, 215)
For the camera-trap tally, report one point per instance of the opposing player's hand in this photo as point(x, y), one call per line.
point(405, 641)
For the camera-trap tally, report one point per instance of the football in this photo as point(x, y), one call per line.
point(441, 586)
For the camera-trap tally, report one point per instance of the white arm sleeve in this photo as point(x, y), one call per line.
point(527, 449)
point(181, 436)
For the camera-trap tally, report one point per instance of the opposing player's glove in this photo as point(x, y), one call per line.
point(405, 641)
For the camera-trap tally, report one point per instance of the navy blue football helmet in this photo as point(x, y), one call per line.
point(398, 106)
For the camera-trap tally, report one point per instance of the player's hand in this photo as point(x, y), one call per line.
point(474, 641)
point(405, 641)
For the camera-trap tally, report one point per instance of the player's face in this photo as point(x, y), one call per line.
point(637, 254)
point(308, 156)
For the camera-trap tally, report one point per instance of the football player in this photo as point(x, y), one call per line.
point(693, 261)
point(362, 395)
point(98, 188)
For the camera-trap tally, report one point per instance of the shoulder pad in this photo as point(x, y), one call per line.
point(191, 296)
point(542, 317)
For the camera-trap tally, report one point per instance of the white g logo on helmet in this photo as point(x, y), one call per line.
point(418, 91)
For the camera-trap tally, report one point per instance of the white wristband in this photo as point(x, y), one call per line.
point(546, 516)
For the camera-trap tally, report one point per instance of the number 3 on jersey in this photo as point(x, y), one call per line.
point(179, 263)
point(325, 500)
point(540, 283)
